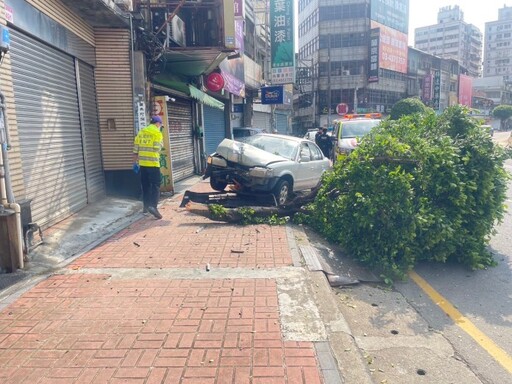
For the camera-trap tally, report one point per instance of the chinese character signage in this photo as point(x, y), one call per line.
point(373, 65)
point(393, 48)
point(436, 98)
point(427, 88)
point(282, 44)
point(465, 90)
point(166, 182)
point(239, 8)
point(392, 13)
point(233, 69)
point(272, 95)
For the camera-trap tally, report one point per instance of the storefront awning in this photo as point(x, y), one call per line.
point(205, 98)
point(184, 89)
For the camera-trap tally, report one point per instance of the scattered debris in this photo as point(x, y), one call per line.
point(136, 244)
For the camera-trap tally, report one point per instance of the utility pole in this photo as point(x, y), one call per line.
point(313, 98)
point(329, 80)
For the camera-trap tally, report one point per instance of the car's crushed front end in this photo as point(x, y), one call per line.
point(245, 167)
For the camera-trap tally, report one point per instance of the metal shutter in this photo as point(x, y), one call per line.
point(46, 102)
point(281, 123)
point(181, 138)
point(262, 120)
point(95, 179)
point(214, 128)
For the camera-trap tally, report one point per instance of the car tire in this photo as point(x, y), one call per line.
point(282, 192)
point(217, 184)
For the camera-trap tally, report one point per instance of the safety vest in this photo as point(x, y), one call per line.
point(148, 144)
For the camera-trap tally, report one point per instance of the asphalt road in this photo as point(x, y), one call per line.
point(482, 297)
point(408, 335)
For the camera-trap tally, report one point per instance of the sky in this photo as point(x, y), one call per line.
point(477, 12)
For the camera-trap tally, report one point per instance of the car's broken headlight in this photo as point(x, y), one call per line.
point(261, 172)
point(217, 161)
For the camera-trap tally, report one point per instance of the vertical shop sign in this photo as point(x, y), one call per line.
point(427, 88)
point(373, 66)
point(166, 181)
point(282, 42)
point(436, 98)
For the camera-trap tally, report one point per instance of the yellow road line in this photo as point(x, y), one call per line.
point(464, 323)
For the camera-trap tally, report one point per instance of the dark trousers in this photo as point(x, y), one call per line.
point(150, 181)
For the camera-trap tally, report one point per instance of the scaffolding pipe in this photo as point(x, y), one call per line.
point(7, 196)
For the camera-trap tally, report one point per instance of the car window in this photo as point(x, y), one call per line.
point(305, 152)
point(358, 128)
point(316, 153)
point(275, 145)
point(336, 129)
point(241, 133)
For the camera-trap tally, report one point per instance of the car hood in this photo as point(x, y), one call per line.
point(246, 154)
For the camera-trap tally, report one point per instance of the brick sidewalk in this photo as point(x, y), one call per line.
point(87, 327)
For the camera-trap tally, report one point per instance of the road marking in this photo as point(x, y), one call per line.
point(464, 323)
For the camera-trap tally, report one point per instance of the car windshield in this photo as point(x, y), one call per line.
point(275, 145)
point(357, 128)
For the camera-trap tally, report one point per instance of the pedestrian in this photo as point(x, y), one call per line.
point(325, 143)
point(317, 135)
point(146, 153)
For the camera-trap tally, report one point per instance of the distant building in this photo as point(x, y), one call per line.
point(452, 38)
point(498, 45)
point(436, 81)
point(352, 54)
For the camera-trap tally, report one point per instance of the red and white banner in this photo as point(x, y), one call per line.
point(465, 90)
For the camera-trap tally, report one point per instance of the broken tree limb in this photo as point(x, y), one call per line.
point(236, 215)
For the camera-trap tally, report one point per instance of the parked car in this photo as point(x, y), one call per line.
point(349, 130)
point(241, 133)
point(310, 134)
point(267, 163)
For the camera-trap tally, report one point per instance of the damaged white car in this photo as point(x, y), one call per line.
point(267, 163)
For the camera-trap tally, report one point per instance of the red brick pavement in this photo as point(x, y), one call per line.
point(84, 328)
point(90, 328)
point(185, 240)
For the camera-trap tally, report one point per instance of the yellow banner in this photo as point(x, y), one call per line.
point(166, 182)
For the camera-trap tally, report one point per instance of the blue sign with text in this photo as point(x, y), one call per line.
point(272, 95)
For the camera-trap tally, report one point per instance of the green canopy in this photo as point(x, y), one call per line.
point(191, 91)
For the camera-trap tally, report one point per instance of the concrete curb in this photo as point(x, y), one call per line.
point(341, 346)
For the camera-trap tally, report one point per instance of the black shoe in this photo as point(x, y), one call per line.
point(145, 210)
point(155, 212)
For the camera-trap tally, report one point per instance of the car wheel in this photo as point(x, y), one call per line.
point(282, 191)
point(218, 185)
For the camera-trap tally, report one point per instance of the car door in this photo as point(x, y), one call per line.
point(303, 171)
point(318, 165)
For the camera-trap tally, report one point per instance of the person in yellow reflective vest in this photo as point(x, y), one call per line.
point(146, 154)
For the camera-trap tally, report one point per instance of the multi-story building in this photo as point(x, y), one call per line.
point(452, 38)
point(437, 81)
point(498, 45)
point(354, 54)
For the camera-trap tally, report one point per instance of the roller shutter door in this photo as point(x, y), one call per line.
point(181, 138)
point(214, 128)
point(95, 179)
point(281, 123)
point(46, 102)
point(262, 120)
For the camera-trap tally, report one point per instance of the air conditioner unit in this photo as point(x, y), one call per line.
point(346, 73)
point(125, 5)
point(176, 32)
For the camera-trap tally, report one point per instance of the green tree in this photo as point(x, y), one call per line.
point(424, 187)
point(502, 112)
point(407, 107)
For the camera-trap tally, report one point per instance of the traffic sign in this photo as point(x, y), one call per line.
point(341, 109)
